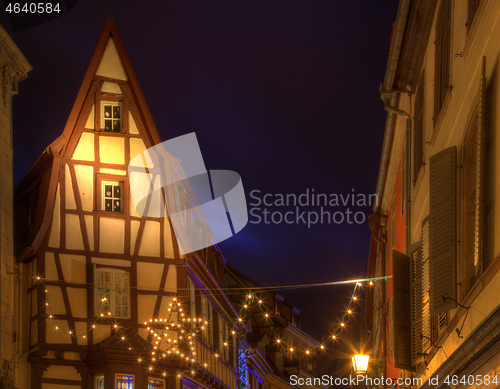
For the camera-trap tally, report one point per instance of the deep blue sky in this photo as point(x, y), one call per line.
point(283, 92)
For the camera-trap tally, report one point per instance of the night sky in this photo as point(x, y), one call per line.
point(286, 93)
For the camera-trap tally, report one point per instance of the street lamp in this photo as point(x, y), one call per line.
point(360, 363)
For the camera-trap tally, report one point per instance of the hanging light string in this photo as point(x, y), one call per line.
point(235, 289)
point(159, 328)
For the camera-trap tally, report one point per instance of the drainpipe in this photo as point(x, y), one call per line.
point(396, 111)
point(391, 99)
point(397, 43)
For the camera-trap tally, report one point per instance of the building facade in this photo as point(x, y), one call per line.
point(106, 297)
point(14, 67)
point(292, 357)
point(436, 227)
point(107, 300)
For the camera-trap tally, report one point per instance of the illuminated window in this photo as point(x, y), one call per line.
point(155, 383)
point(242, 369)
point(112, 196)
point(114, 285)
point(111, 116)
point(99, 381)
point(124, 381)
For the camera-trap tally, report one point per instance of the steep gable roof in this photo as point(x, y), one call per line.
point(110, 62)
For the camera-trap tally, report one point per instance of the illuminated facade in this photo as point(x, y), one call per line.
point(102, 283)
point(436, 229)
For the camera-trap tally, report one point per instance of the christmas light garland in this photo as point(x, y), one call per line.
point(183, 347)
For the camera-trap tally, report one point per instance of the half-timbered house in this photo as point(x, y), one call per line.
point(100, 283)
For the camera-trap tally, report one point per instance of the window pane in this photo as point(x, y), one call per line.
point(117, 206)
point(116, 126)
point(108, 205)
point(124, 382)
point(107, 111)
point(116, 112)
point(107, 125)
point(155, 384)
point(107, 191)
point(117, 191)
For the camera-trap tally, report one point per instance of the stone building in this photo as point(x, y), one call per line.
point(436, 230)
point(13, 68)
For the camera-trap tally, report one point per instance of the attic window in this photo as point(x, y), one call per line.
point(111, 116)
point(112, 196)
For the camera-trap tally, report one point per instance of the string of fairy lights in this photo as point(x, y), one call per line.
point(174, 335)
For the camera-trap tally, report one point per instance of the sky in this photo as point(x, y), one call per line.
point(283, 92)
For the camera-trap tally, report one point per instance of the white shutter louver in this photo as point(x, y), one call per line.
point(401, 311)
point(442, 260)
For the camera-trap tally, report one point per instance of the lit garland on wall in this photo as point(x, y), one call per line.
point(183, 346)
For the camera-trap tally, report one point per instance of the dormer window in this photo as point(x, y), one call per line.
point(111, 116)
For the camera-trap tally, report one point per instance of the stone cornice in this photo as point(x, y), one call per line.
point(11, 56)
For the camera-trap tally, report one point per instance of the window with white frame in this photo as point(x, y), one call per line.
point(156, 383)
point(112, 196)
point(114, 286)
point(111, 116)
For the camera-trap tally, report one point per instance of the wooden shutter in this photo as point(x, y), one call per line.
point(479, 206)
point(204, 316)
point(211, 325)
point(416, 305)
point(442, 260)
point(442, 56)
point(401, 311)
point(418, 134)
point(226, 338)
point(426, 303)
point(192, 299)
point(235, 352)
point(221, 336)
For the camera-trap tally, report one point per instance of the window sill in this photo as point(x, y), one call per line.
point(120, 215)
